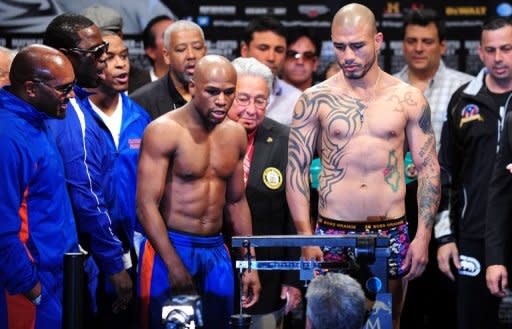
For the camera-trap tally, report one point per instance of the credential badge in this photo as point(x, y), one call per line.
point(272, 178)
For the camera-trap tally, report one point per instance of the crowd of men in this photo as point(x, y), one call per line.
point(150, 172)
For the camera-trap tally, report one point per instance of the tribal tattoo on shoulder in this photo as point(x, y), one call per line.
point(304, 137)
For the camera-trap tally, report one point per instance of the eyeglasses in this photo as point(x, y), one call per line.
point(306, 56)
point(97, 51)
point(245, 100)
point(63, 90)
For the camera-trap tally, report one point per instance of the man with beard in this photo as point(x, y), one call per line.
point(359, 120)
point(184, 46)
point(37, 219)
point(87, 160)
point(190, 176)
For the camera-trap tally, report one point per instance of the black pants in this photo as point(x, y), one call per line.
point(430, 299)
point(476, 307)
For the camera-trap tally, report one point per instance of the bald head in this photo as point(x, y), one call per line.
point(211, 66)
point(355, 15)
point(43, 77)
point(38, 62)
point(6, 57)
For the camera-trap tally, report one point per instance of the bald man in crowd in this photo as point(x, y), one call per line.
point(186, 180)
point(36, 230)
point(359, 120)
point(6, 57)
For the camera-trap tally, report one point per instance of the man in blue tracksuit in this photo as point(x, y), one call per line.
point(37, 225)
point(87, 159)
point(122, 123)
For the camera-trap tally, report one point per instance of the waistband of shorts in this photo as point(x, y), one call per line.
point(184, 239)
point(386, 223)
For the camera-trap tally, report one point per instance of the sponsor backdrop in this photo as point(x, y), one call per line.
point(224, 20)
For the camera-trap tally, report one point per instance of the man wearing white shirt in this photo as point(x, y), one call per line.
point(265, 40)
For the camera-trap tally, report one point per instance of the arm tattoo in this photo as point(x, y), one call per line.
point(402, 104)
point(425, 123)
point(391, 172)
point(298, 151)
point(429, 190)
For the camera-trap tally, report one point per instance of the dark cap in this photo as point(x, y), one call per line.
point(107, 19)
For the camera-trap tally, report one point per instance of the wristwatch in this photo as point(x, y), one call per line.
point(37, 300)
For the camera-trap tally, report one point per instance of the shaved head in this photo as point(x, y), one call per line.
point(354, 15)
point(43, 77)
point(39, 62)
point(212, 65)
point(213, 88)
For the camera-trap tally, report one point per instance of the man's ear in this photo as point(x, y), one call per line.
point(30, 88)
point(151, 53)
point(166, 55)
point(192, 87)
point(244, 49)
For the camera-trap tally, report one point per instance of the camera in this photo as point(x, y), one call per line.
point(182, 311)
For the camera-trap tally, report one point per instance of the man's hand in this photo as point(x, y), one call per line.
point(446, 254)
point(251, 288)
point(180, 281)
point(416, 258)
point(312, 253)
point(34, 292)
point(123, 286)
point(497, 280)
point(293, 296)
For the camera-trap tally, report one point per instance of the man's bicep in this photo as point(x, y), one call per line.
point(153, 166)
point(301, 142)
point(236, 186)
point(421, 136)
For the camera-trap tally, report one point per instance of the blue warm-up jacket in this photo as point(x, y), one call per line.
point(87, 162)
point(36, 220)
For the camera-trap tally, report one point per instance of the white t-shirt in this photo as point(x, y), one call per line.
point(113, 122)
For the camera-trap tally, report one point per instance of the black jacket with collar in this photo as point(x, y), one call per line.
point(467, 155)
point(269, 211)
point(158, 97)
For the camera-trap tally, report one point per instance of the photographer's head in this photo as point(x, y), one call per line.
point(183, 311)
point(335, 301)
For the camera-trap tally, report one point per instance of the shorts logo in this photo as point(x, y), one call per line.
point(470, 113)
point(272, 178)
point(469, 266)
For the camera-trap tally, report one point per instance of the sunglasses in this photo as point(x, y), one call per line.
point(97, 51)
point(63, 90)
point(306, 56)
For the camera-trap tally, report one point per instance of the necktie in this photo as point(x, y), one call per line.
point(248, 157)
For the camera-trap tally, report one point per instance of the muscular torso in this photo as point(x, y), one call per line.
point(195, 189)
point(361, 146)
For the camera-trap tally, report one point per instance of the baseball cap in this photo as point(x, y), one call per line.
point(106, 18)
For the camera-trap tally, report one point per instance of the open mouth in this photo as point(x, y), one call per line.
point(122, 78)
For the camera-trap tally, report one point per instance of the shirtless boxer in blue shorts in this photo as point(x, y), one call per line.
point(190, 171)
point(358, 121)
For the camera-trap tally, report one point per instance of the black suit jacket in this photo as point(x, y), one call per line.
point(158, 97)
point(138, 78)
point(266, 196)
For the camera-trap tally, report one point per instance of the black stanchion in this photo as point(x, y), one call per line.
point(73, 291)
